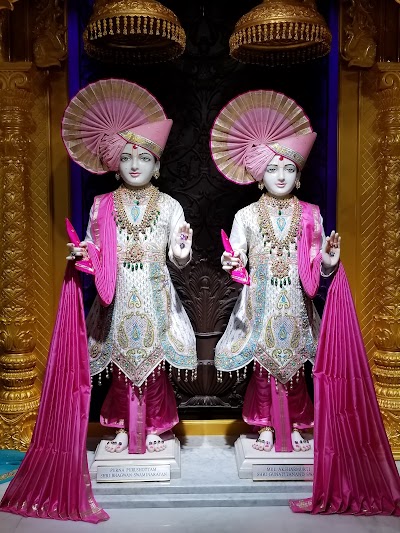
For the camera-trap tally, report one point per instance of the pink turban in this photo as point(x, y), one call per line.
point(254, 127)
point(97, 118)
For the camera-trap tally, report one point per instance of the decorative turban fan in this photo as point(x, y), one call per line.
point(107, 114)
point(254, 127)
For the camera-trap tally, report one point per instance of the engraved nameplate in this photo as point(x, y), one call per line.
point(113, 474)
point(283, 472)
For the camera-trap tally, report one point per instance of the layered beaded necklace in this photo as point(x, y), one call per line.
point(279, 247)
point(134, 254)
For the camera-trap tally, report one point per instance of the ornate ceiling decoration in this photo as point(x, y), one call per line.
point(280, 32)
point(124, 31)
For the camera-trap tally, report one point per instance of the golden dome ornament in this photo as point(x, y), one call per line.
point(279, 33)
point(135, 32)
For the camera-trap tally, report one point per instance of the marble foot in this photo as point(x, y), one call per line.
point(171, 455)
point(272, 466)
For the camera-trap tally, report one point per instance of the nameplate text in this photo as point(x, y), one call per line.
point(113, 474)
point(283, 472)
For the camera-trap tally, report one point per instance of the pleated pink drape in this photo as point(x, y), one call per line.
point(354, 470)
point(53, 479)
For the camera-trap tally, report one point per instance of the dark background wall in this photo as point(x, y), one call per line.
point(192, 90)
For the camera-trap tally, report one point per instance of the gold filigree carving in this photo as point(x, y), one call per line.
point(20, 436)
point(49, 43)
point(386, 368)
point(359, 47)
point(15, 77)
point(19, 396)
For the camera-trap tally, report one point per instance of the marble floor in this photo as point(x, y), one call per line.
point(221, 519)
point(207, 520)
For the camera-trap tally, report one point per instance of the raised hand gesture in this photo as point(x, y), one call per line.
point(182, 242)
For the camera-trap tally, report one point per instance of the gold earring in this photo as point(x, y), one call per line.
point(261, 185)
point(297, 184)
point(156, 174)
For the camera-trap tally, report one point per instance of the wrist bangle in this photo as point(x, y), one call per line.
point(326, 275)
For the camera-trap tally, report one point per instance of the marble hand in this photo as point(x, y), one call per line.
point(331, 250)
point(182, 242)
point(230, 261)
point(77, 252)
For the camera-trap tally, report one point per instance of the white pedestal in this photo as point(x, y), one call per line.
point(170, 456)
point(247, 456)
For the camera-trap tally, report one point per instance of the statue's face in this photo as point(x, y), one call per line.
point(137, 165)
point(280, 176)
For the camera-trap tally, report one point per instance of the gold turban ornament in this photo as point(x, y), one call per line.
point(280, 32)
point(124, 31)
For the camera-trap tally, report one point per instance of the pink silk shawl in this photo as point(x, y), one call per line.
point(354, 469)
point(53, 479)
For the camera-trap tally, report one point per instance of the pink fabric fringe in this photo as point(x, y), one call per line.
point(53, 480)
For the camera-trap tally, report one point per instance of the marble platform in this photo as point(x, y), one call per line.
point(247, 456)
point(170, 456)
point(209, 478)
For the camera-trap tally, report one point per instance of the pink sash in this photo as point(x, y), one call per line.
point(104, 252)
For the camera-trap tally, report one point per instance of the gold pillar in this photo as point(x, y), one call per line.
point(19, 396)
point(386, 357)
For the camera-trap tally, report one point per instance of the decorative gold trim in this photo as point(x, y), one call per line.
point(289, 153)
point(148, 144)
point(280, 32)
point(126, 31)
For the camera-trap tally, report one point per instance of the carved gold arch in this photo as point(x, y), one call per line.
point(368, 196)
point(33, 189)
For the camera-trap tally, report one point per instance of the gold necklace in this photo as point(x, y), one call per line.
point(137, 194)
point(280, 267)
point(134, 254)
point(280, 203)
